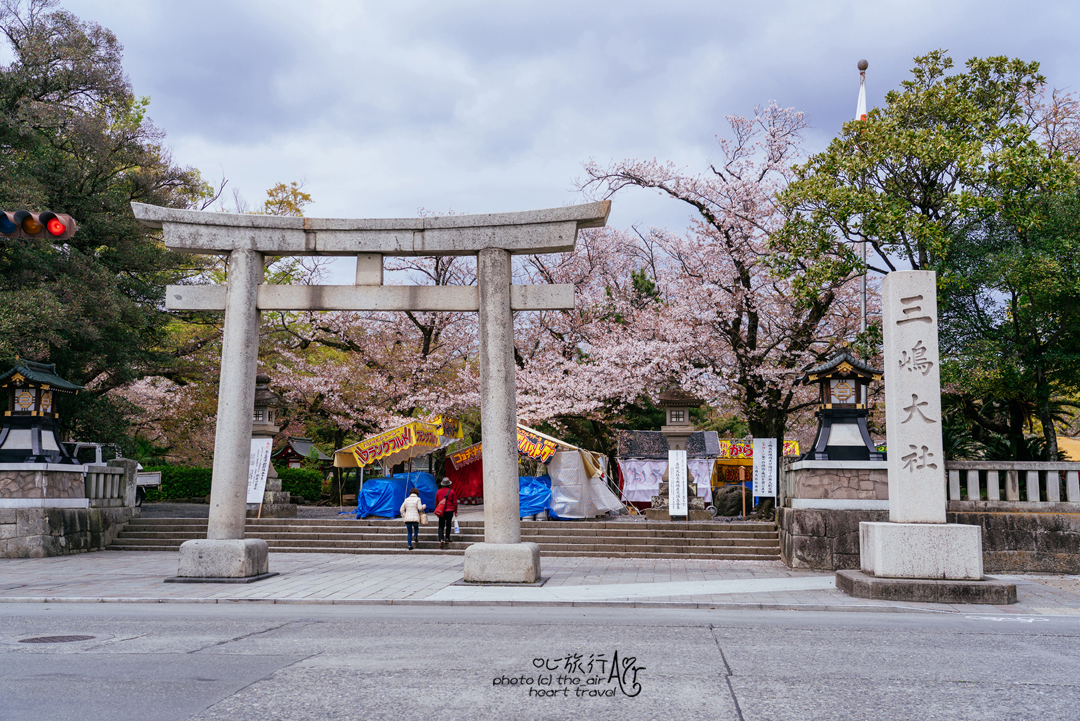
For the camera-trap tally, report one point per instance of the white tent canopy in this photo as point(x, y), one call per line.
point(575, 491)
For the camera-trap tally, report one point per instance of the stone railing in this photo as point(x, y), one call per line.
point(1042, 482)
point(104, 486)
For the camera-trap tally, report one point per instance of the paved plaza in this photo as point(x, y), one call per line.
point(318, 578)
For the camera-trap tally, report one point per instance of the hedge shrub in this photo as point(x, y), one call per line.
point(180, 482)
point(305, 482)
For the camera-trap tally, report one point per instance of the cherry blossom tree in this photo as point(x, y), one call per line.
point(725, 324)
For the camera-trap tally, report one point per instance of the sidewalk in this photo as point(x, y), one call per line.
point(137, 577)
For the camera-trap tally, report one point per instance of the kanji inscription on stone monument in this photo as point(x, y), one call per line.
point(913, 398)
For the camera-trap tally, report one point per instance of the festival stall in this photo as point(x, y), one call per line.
point(579, 487)
point(401, 444)
point(578, 478)
point(465, 468)
point(382, 496)
point(711, 461)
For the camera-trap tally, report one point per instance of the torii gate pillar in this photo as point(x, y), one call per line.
point(225, 554)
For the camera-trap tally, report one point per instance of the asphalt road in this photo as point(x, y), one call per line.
point(236, 662)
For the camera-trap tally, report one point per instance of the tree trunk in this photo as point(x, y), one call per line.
point(1017, 419)
point(1049, 432)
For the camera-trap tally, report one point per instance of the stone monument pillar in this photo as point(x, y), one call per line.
point(916, 545)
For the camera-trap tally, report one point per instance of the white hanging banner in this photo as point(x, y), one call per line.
point(259, 468)
point(677, 483)
point(764, 451)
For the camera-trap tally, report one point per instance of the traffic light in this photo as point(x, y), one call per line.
point(24, 224)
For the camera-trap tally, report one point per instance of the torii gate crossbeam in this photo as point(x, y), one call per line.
point(246, 239)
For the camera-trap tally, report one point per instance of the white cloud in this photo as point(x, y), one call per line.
point(492, 106)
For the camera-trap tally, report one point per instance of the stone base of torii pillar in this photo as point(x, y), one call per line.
point(917, 556)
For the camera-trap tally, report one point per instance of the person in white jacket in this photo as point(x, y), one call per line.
point(410, 513)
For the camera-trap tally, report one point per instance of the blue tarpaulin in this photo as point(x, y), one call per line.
point(534, 493)
point(383, 496)
point(423, 482)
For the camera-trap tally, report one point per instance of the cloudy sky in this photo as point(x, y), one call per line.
point(383, 108)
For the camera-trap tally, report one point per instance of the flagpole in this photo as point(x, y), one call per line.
point(860, 114)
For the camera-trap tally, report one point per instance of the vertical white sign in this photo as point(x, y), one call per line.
point(677, 483)
point(764, 474)
point(259, 468)
point(913, 397)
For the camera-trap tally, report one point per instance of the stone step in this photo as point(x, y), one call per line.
point(165, 544)
point(590, 533)
point(610, 539)
point(656, 536)
point(572, 525)
point(132, 536)
point(576, 553)
point(155, 538)
point(465, 534)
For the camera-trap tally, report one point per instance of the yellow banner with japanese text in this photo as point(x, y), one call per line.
point(529, 444)
point(416, 435)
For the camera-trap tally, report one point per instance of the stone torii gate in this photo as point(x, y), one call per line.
point(246, 239)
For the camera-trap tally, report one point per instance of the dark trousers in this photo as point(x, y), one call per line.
point(412, 531)
point(446, 524)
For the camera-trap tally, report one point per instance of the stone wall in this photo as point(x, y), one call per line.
point(42, 532)
point(848, 483)
point(1012, 541)
point(1018, 542)
point(38, 482)
point(822, 539)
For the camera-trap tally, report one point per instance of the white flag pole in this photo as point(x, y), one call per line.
point(860, 114)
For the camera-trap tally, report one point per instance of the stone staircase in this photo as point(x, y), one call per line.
point(609, 539)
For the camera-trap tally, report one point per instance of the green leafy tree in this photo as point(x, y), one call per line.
point(1011, 319)
point(946, 152)
point(74, 138)
point(969, 174)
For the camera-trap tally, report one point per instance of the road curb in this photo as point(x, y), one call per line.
point(658, 605)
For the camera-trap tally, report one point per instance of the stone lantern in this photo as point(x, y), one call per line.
point(30, 433)
point(276, 502)
point(267, 403)
point(842, 434)
point(677, 429)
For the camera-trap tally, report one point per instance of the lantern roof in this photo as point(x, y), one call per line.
point(843, 363)
point(43, 373)
point(264, 396)
point(678, 398)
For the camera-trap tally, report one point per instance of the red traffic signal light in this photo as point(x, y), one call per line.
point(24, 224)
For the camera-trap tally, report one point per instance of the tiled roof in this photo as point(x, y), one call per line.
point(677, 397)
point(40, 373)
point(841, 357)
point(303, 447)
point(653, 444)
